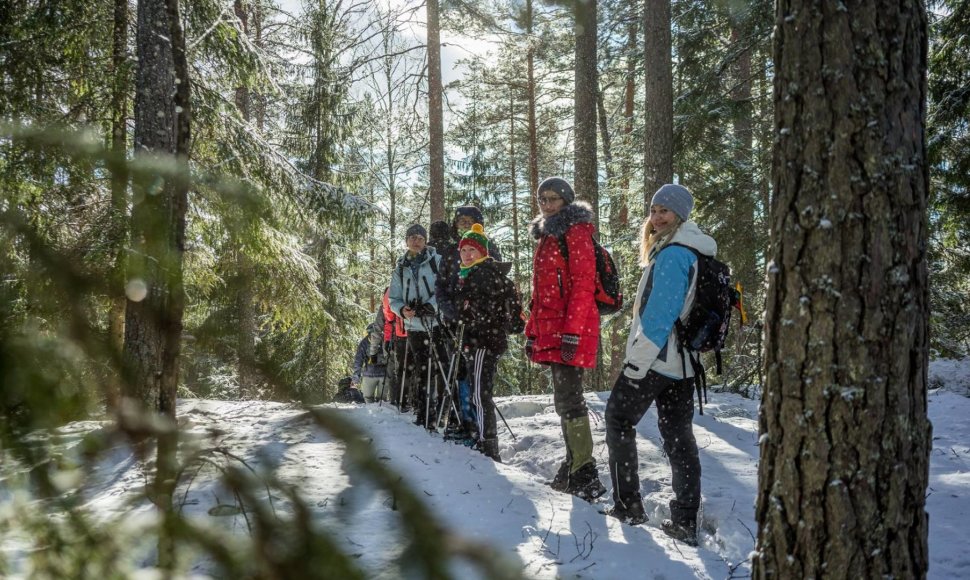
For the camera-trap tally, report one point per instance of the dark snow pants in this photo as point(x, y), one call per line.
point(424, 373)
point(481, 366)
point(567, 391)
point(400, 346)
point(628, 403)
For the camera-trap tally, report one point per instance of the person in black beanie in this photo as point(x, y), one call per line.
point(440, 236)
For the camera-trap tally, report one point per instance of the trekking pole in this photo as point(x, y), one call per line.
point(404, 374)
point(452, 376)
point(512, 433)
point(427, 394)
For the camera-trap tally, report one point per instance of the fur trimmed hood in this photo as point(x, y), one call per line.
point(578, 212)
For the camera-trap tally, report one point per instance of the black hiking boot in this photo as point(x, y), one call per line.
point(630, 513)
point(585, 483)
point(561, 481)
point(685, 532)
point(489, 448)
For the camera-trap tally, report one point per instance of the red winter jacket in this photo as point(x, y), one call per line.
point(391, 320)
point(562, 294)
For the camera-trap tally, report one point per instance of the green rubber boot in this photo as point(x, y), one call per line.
point(579, 442)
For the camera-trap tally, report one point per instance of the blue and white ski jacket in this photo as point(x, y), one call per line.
point(665, 293)
point(413, 281)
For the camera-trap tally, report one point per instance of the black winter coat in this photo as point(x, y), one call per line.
point(489, 307)
point(446, 284)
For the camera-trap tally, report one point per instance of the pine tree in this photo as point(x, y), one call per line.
point(845, 435)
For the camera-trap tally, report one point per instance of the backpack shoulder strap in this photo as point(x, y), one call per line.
point(563, 247)
point(695, 251)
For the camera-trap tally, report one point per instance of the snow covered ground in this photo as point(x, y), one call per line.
point(508, 506)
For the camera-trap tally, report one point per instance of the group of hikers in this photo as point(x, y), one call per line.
point(450, 306)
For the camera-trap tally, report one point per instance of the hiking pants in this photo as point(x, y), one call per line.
point(372, 387)
point(399, 345)
point(567, 391)
point(628, 402)
point(481, 365)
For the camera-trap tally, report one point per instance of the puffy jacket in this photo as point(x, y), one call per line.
point(412, 283)
point(562, 293)
point(446, 286)
point(489, 307)
point(665, 293)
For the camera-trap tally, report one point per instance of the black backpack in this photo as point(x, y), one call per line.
point(514, 318)
point(608, 293)
point(706, 326)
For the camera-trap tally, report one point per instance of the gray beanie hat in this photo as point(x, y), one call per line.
point(676, 198)
point(560, 186)
point(416, 229)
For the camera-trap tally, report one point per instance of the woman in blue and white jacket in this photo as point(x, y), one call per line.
point(653, 368)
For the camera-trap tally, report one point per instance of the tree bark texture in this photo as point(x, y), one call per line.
point(658, 152)
point(436, 147)
point(586, 86)
point(845, 434)
point(155, 235)
point(121, 80)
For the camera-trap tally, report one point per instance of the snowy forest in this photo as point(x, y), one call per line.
point(202, 202)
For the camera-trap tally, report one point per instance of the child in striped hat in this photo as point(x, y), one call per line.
point(489, 308)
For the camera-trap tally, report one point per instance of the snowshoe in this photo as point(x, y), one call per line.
point(561, 480)
point(630, 513)
point(685, 532)
point(585, 483)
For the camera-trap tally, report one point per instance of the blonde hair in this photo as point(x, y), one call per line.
point(650, 239)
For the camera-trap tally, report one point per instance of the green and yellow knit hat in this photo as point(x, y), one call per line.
point(475, 237)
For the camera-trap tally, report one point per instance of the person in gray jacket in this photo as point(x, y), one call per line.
point(369, 369)
point(412, 297)
point(653, 369)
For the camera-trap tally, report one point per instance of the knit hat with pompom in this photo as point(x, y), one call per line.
point(475, 237)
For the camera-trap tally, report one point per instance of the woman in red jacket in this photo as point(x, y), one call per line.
point(563, 327)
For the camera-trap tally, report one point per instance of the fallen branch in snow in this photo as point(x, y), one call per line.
point(581, 551)
point(750, 533)
point(502, 511)
point(733, 569)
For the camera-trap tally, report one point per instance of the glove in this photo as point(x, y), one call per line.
point(425, 309)
point(529, 348)
point(570, 342)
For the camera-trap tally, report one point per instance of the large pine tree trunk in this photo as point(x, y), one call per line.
point(436, 147)
point(119, 183)
point(846, 439)
point(658, 152)
point(530, 57)
point(584, 152)
point(153, 325)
